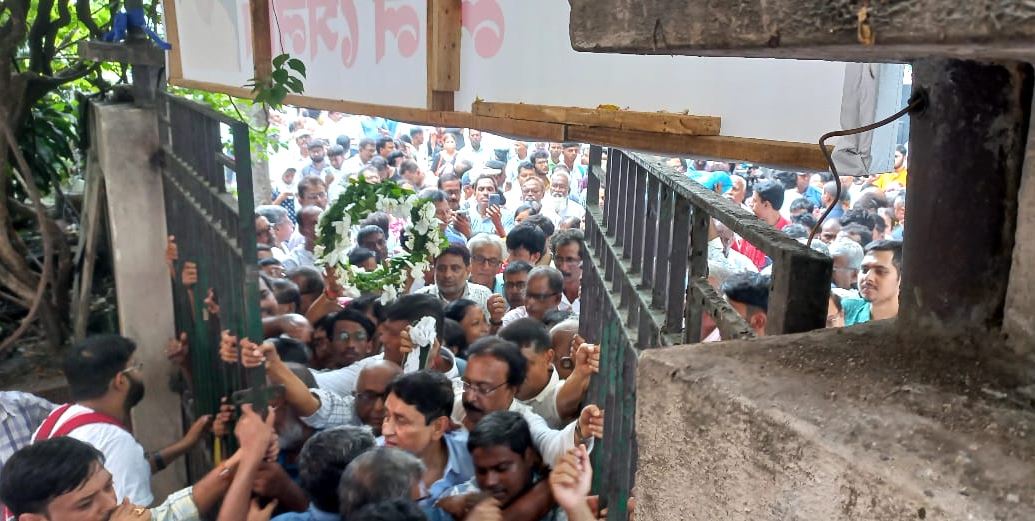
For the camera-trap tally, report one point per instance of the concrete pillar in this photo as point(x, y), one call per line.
point(126, 138)
point(966, 154)
point(1019, 316)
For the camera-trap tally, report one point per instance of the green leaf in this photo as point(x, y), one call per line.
point(281, 76)
point(278, 61)
point(297, 65)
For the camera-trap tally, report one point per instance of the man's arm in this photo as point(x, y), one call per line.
point(573, 390)
point(534, 504)
point(254, 435)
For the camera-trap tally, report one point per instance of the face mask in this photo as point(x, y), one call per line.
point(135, 394)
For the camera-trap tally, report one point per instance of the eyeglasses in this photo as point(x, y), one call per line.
point(488, 261)
point(541, 297)
point(315, 196)
point(567, 260)
point(360, 336)
point(515, 285)
point(480, 389)
point(133, 367)
point(370, 396)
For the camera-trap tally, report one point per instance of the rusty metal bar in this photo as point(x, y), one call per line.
point(698, 269)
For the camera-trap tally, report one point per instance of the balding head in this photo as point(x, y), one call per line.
point(307, 220)
point(370, 392)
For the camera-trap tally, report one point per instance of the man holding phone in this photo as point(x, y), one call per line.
point(487, 215)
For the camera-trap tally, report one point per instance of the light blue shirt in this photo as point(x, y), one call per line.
point(481, 224)
point(459, 469)
point(313, 514)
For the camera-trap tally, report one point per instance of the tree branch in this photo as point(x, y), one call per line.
point(22, 172)
point(82, 11)
point(40, 28)
point(63, 19)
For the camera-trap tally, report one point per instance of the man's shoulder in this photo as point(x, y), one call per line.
point(479, 290)
point(432, 289)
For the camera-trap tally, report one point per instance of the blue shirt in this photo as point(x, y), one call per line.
point(813, 194)
point(857, 311)
point(313, 514)
point(481, 224)
point(459, 469)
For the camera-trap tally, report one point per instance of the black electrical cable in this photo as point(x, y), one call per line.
point(916, 102)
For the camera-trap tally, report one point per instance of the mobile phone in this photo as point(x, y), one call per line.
point(495, 200)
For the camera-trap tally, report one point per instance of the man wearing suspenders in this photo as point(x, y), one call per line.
point(104, 381)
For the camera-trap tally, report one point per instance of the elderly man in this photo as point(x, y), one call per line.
point(543, 294)
point(452, 271)
point(381, 474)
point(488, 253)
point(848, 257)
point(569, 248)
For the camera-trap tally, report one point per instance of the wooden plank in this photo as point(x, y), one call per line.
point(780, 154)
point(867, 31)
point(262, 45)
point(662, 122)
point(444, 45)
point(174, 63)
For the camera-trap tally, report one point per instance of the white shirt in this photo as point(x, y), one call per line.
point(567, 305)
point(545, 403)
point(478, 158)
point(343, 381)
point(299, 257)
point(474, 292)
point(514, 314)
point(123, 456)
point(551, 444)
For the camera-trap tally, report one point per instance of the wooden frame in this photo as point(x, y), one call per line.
point(662, 133)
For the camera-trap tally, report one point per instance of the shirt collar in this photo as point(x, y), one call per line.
point(554, 379)
point(319, 515)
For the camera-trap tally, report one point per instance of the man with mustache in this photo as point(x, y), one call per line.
point(569, 247)
point(350, 337)
point(104, 383)
point(495, 372)
point(879, 281)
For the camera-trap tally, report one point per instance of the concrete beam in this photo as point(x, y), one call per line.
point(849, 424)
point(126, 138)
point(807, 29)
point(1019, 315)
point(966, 155)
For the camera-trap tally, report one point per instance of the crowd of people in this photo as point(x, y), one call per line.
point(496, 424)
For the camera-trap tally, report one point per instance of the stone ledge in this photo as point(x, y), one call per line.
point(860, 424)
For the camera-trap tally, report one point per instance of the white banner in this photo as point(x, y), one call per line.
point(215, 43)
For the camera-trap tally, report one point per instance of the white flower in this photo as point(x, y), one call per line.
point(318, 251)
point(433, 248)
point(351, 291)
point(389, 294)
point(341, 228)
point(423, 334)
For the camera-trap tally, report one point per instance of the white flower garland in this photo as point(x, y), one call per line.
point(424, 240)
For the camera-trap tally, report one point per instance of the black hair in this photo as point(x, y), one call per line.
point(527, 164)
point(802, 203)
point(537, 155)
point(379, 164)
point(291, 350)
point(317, 143)
point(368, 305)
point(895, 247)
point(415, 130)
point(554, 277)
point(556, 316)
point(527, 236)
point(864, 233)
point(367, 231)
point(93, 362)
point(391, 510)
point(37, 474)
point(456, 249)
point(444, 178)
point(504, 351)
point(379, 219)
point(414, 307)
point(364, 142)
point(408, 166)
point(269, 262)
point(458, 308)
point(527, 333)
point(263, 247)
point(394, 156)
point(859, 216)
point(901, 149)
point(382, 142)
point(516, 266)
point(323, 460)
point(770, 191)
point(309, 280)
point(544, 223)
point(430, 392)
point(462, 167)
point(569, 144)
point(286, 292)
point(344, 141)
point(837, 301)
point(501, 428)
point(871, 201)
point(359, 255)
point(325, 323)
point(572, 222)
point(308, 182)
point(749, 288)
point(796, 231)
point(335, 150)
point(805, 219)
point(455, 337)
point(350, 315)
point(434, 195)
point(528, 207)
point(566, 237)
point(404, 138)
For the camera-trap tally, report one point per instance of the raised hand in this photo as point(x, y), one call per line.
point(571, 479)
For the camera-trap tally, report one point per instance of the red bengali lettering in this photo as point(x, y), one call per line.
point(401, 21)
point(291, 26)
point(350, 42)
point(484, 20)
point(321, 12)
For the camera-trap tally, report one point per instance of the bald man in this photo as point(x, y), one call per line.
point(370, 392)
point(302, 255)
